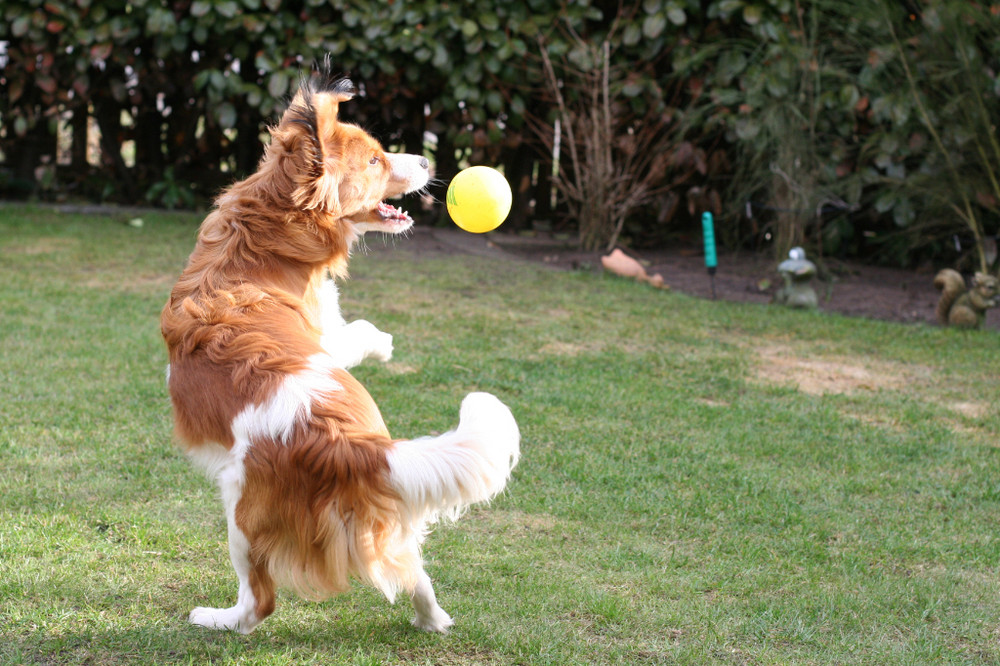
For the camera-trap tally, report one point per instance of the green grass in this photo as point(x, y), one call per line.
point(675, 502)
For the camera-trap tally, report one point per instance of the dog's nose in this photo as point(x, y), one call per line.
point(424, 163)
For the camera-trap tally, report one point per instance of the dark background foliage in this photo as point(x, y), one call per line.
point(856, 129)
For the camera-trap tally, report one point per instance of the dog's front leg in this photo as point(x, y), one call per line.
point(352, 343)
point(349, 344)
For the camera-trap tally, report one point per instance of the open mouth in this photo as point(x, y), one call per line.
point(393, 215)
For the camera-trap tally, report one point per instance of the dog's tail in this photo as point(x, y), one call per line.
point(441, 476)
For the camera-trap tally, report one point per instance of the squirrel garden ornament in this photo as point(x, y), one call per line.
point(961, 307)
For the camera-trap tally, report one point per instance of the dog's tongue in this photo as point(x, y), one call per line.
point(390, 213)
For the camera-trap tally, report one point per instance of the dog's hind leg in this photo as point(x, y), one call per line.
point(430, 616)
point(255, 599)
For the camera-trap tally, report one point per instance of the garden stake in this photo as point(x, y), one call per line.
point(708, 230)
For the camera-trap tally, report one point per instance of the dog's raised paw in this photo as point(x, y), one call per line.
point(381, 349)
point(365, 336)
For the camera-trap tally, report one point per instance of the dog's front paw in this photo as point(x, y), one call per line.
point(234, 619)
point(437, 620)
point(381, 349)
point(365, 336)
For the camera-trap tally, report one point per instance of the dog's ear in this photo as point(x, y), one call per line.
point(314, 110)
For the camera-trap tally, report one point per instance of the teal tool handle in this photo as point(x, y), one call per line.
point(708, 229)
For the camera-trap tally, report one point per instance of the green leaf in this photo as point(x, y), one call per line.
point(489, 21)
point(885, 201)
point(770, 30)
point(335, 47)
point(731, 64)
point(652, 26)
point(632, 89)
point(217, 82)
point(313, 34)
point(581, 59)
point(440, 56)
point(474, 46)
point(264, 63)
point(225, 113)
point(727, 7)
point(200, 8)
point(201, 79)
point(277, 85)
point(849, 96)
point(254, 96)
point(747, 129)
point(903, 213)
point(461, 92)
point(228, 9)
point(632, 35)
point(517, 106)
point(676, 14)
point(494, 101)
point(529, 27)
point(158, 22)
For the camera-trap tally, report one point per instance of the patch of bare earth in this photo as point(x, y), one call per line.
point(783, 365)
point(970, 409)
point(815, 375)
point(40, 246)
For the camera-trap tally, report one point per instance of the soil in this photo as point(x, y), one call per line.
point(851, 289)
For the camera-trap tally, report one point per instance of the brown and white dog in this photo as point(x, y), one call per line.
point(314, 489)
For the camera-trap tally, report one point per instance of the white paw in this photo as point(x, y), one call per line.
point(357, 341)
point(381, 346)
point(235, 619)
point(437, 621)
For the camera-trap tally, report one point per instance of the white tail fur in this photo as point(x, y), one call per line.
point(443, 475)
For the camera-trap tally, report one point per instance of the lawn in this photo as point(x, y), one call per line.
point(700, 483)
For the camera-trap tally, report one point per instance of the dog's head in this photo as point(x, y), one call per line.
point(337, 168)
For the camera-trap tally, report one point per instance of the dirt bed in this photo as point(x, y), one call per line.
point(851, 288)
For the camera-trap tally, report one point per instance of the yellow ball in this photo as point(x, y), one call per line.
point(479, 199)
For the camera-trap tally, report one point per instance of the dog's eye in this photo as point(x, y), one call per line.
point(373, 161)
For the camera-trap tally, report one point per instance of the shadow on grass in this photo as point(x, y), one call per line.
point(343, 640)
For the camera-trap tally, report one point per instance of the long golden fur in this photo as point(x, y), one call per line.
point(315, 490)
